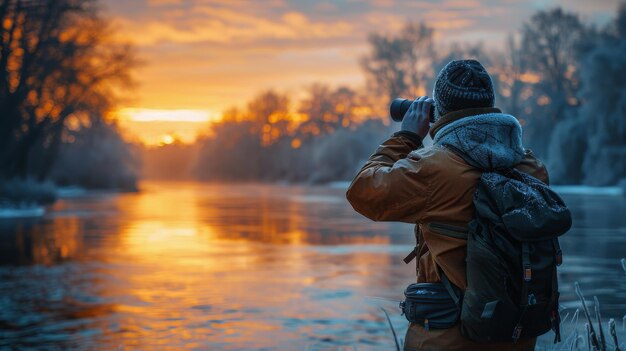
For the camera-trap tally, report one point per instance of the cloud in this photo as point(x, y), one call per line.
point(164, 2)
point(224, 25)
point(210, 54)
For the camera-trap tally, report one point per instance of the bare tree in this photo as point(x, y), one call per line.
point(57, 63)
point(550, 47)
point(511, 83)
point(396, 65)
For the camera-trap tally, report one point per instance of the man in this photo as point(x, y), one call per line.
point(433, 187)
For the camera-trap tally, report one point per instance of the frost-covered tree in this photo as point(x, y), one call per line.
point(567, 150)
point(604, 109)
point(92, 155)
point(591, 146)
point(59, 69)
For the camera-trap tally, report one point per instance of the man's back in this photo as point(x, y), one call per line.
point(432, 187)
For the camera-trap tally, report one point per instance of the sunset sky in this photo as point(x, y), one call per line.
point(202, 56)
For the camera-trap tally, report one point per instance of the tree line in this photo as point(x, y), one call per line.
point(271, 139)
point(561, 77)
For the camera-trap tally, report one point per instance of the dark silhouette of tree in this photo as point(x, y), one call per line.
point(58, 65)
point(512, 90)
point(398, 65)
point(551, 45)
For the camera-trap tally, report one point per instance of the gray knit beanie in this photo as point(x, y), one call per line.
point(462, 84)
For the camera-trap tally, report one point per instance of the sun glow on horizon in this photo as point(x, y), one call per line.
point(174, 115)
point(160, 127)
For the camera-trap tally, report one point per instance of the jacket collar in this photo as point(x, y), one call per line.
point(456, 115)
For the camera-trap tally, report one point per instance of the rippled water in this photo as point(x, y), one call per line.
point(188, 266)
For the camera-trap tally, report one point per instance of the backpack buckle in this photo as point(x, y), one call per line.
point(528, 273)
point(559, 257)
point(526, 261)
point(517, 332)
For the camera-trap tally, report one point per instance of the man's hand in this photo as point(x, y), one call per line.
point(417, 118)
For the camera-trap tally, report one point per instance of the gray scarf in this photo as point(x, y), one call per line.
point(488, 141)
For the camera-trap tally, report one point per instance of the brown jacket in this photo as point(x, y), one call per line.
point(433, 188)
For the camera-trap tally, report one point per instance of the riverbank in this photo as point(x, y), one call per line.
point(25, 191)
point(23, 198)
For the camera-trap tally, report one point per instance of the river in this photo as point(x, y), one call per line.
point(193, 266)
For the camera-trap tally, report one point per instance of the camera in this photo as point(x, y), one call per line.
point(399, 106)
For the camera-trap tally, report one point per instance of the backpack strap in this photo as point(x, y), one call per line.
point(527, 271)
point(557, 251)
point(449, 287)
point(413, 254)
point(555, 317)
point(410, 256)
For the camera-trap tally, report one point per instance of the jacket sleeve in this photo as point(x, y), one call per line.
point(392, 186)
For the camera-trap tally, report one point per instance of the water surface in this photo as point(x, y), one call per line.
point(191, 266)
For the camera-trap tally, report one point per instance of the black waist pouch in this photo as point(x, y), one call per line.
point(430, 305)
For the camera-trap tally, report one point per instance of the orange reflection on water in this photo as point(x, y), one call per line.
point(227, 264)
point(48, 242)
point(208, 266)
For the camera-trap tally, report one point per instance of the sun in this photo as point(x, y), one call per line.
point(167, 139)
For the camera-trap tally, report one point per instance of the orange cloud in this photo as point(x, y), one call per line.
point(164, 2)
point(224, 25)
